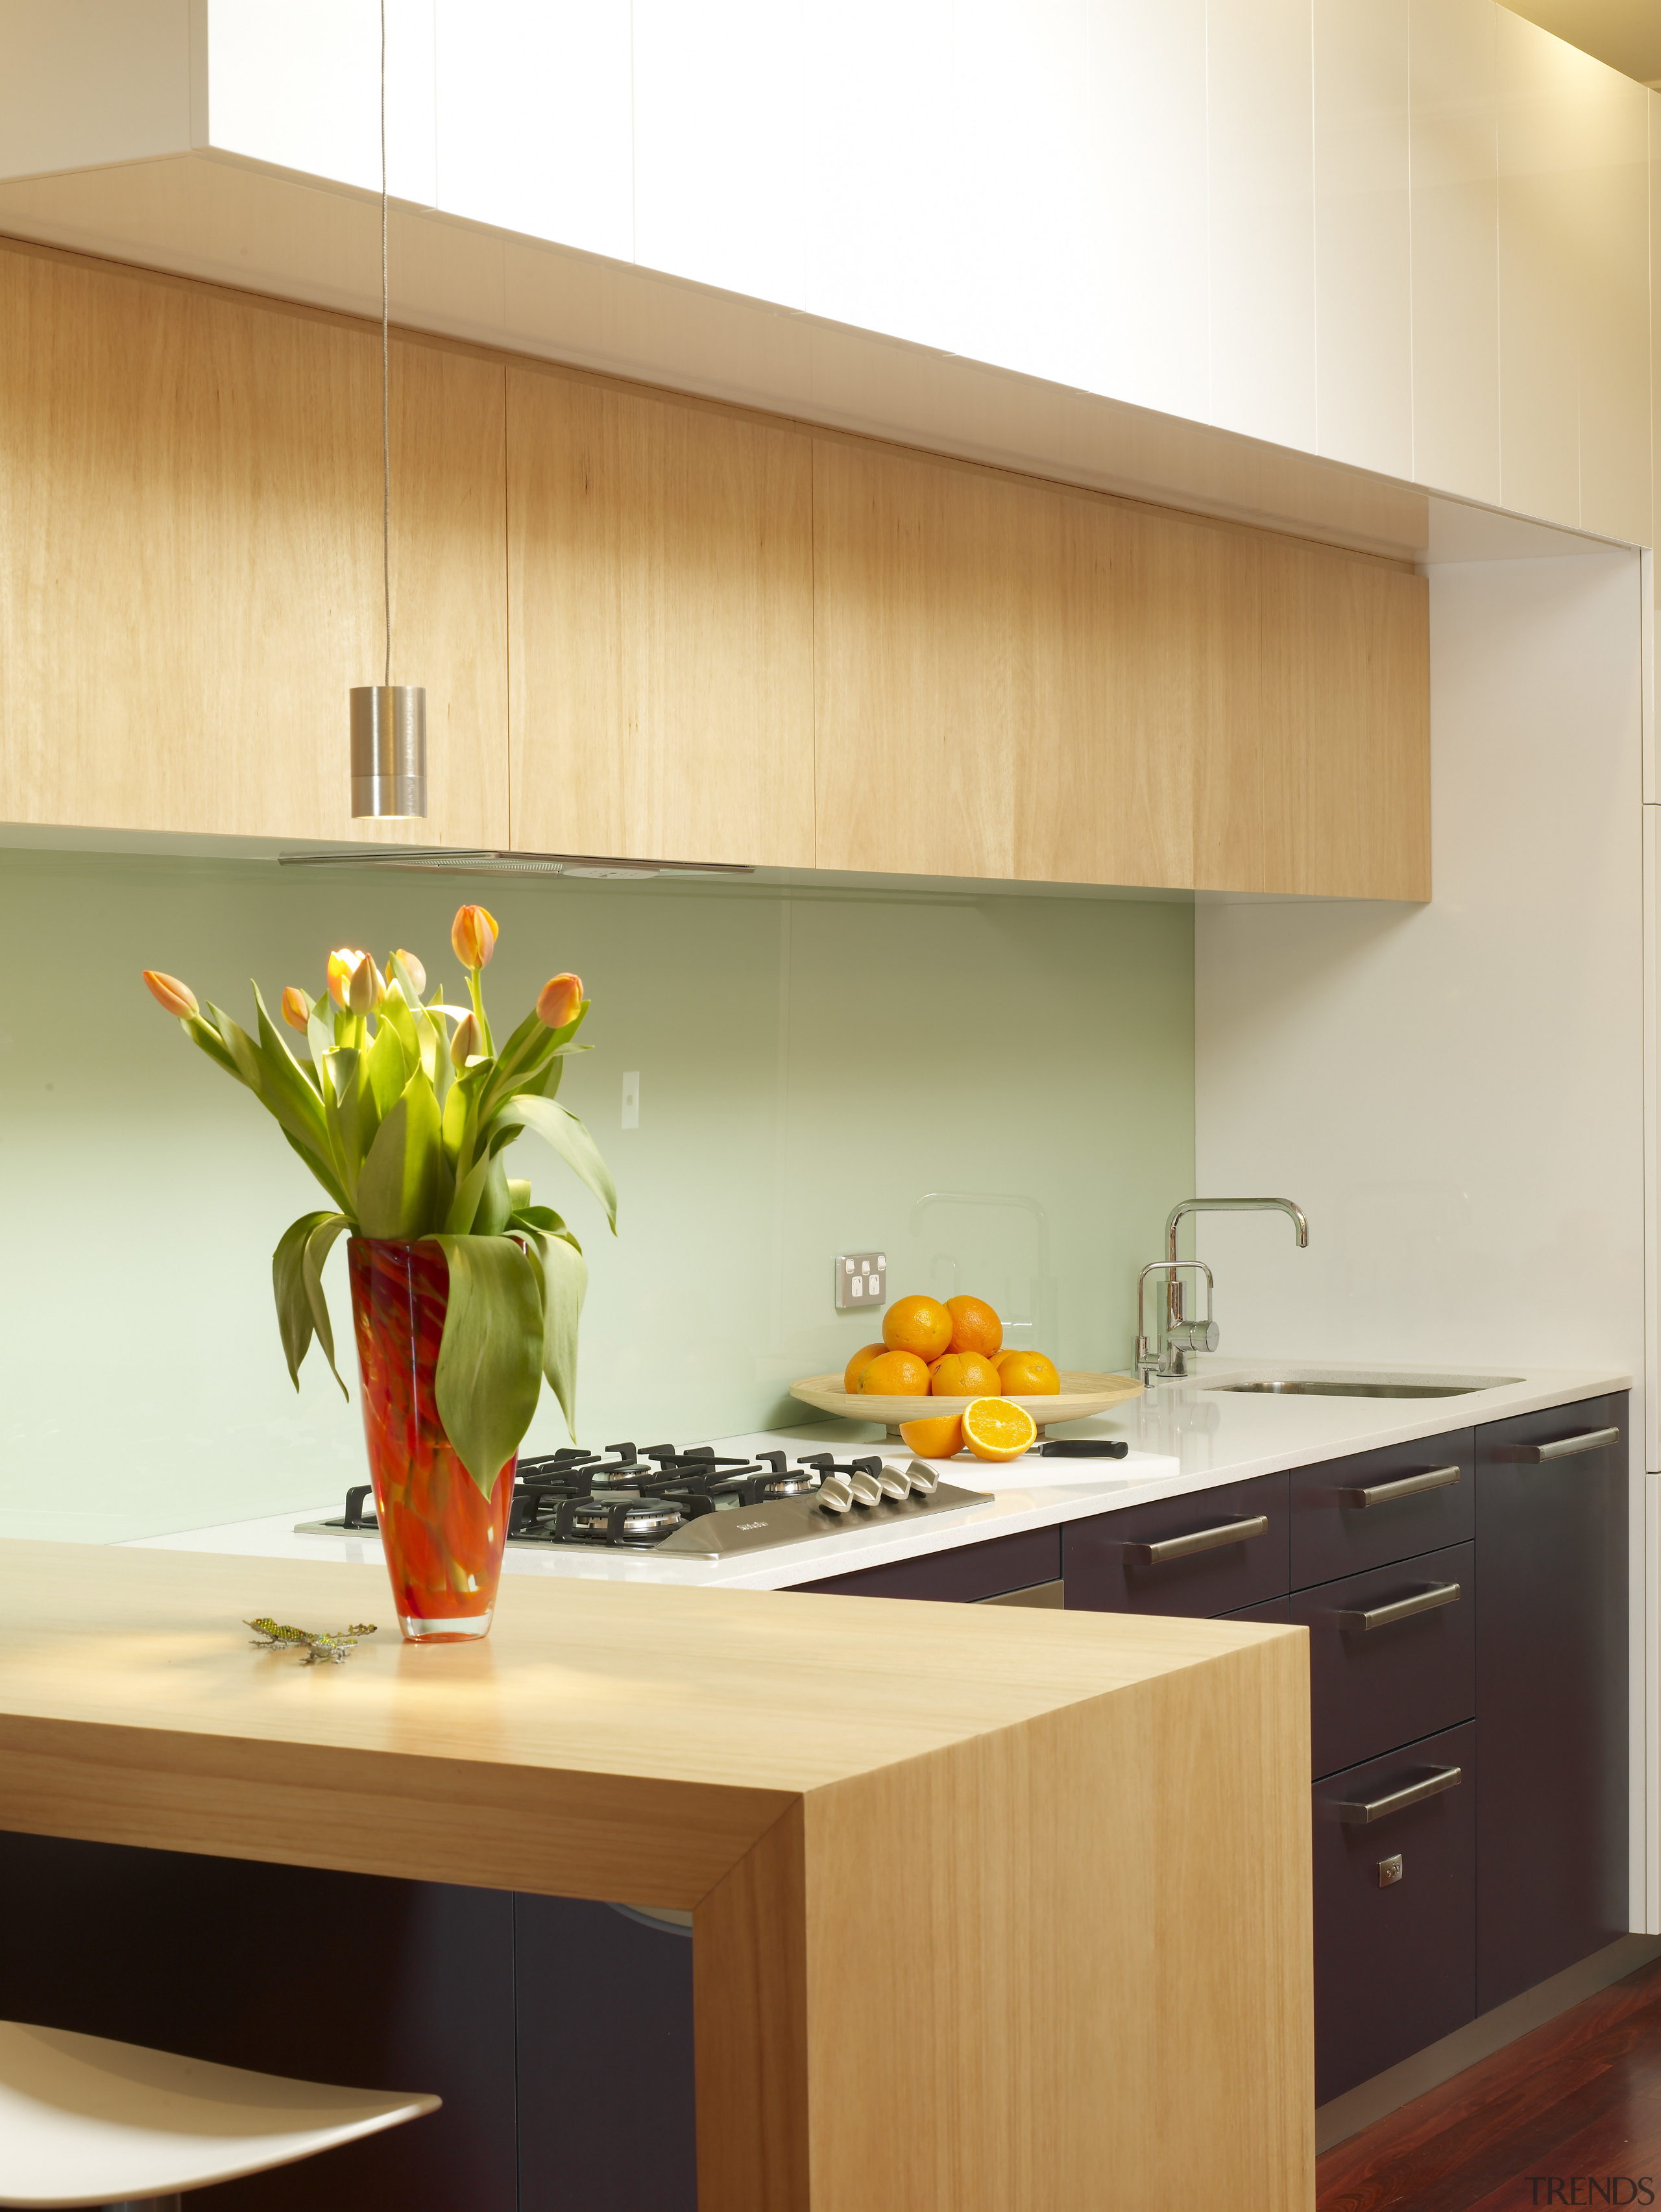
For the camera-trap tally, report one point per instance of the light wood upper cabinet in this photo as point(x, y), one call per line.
point(654, 627)
point(1012, 681)
point(190, 559)
point(660, 637)
point(1325, 787)
point(1016, 680)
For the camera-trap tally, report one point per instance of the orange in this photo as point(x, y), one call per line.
point(994, 1429)
point(862, 1358)
point(917, 1324)
point(975, 1327)
point(895, 1374)
point(964, 1375)
point(940, 1437)
point(1028, 1374)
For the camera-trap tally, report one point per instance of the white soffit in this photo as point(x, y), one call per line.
point(231, 221)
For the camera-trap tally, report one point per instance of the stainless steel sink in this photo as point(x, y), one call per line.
point(1344, 1386)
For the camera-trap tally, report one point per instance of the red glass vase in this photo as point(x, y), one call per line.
point(442, 1537)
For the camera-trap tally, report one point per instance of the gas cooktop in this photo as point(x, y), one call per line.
point(696, 1504)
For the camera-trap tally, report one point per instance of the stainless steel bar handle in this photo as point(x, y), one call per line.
point(1402, 1609)
point(1567, 1447)
point(1359, 1813)
point(1203, 1540)
point(1405, 1486)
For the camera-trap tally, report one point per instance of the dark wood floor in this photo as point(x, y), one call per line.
point(1571, 2114)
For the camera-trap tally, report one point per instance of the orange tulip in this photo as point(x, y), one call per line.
point(558, 999)
point(473, 933)
point(412, 968)
point(366, 990)
point(468, 1043)
point(167, 991)
point(343, 965)
point(296, 1008)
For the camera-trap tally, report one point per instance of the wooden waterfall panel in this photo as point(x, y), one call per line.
point(190, 578)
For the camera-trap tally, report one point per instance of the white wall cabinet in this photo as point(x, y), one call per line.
point(1412, 236)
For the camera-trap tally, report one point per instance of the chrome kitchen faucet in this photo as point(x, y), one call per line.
point(1182, 1335)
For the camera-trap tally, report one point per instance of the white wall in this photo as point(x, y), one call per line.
point(1408, 235)
point(1455, 1092)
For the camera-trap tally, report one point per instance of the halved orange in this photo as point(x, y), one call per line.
point(857, 1365)
point(940, 1437)
point(995, 1429)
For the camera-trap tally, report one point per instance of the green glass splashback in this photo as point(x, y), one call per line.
point(997, 1092)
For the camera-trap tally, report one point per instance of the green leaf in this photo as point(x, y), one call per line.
point(394, 1010)
point(319, 1035)
point(519, 1195)
point(390, 1068)
point(561, 1129)
point(288, 1092)
point(396, 1191)
point(490, 1358)
point(294, 1309)
point(352, 1116)
point(204, 1034)
point(240, 1047)
point(459, 1219)
point(539, 1221)
point(495, 1204)
point(316, 1249)
point(324, 1171)
point(564, 1275)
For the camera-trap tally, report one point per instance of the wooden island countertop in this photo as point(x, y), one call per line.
point(996, 1909)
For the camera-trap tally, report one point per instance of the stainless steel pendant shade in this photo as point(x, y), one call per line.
point(389, 750)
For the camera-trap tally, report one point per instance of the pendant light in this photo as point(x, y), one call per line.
point(389, 720)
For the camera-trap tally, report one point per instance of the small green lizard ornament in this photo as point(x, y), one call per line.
point(318, 1644)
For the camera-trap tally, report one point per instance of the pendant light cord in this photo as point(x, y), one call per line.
point(386, 379)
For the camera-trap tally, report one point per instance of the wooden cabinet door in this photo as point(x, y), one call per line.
point(1012, 680)
point(190, 583)
point(1018, 680)
point(659, 564)
point(1552, 1690)
point(1326, 788)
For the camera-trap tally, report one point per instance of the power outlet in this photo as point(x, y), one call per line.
point(861, 1282)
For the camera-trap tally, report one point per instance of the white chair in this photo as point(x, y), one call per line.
point(87, 2121)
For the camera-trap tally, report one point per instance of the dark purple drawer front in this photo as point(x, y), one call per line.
point(1394, 1967)
point(1333, 1536)
point(976, 1570)
point(1104, 1574)
point(1373, 1688)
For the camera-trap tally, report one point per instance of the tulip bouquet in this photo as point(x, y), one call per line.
point(404, 1111)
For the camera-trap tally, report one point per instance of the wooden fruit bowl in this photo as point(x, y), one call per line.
point(1080, 1396)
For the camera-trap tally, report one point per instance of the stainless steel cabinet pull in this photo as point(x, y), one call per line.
point(1565, 1447)
point(1359, 1813)
point(1406, 1486)
point(1402, 1609)
point(1203, 1540)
